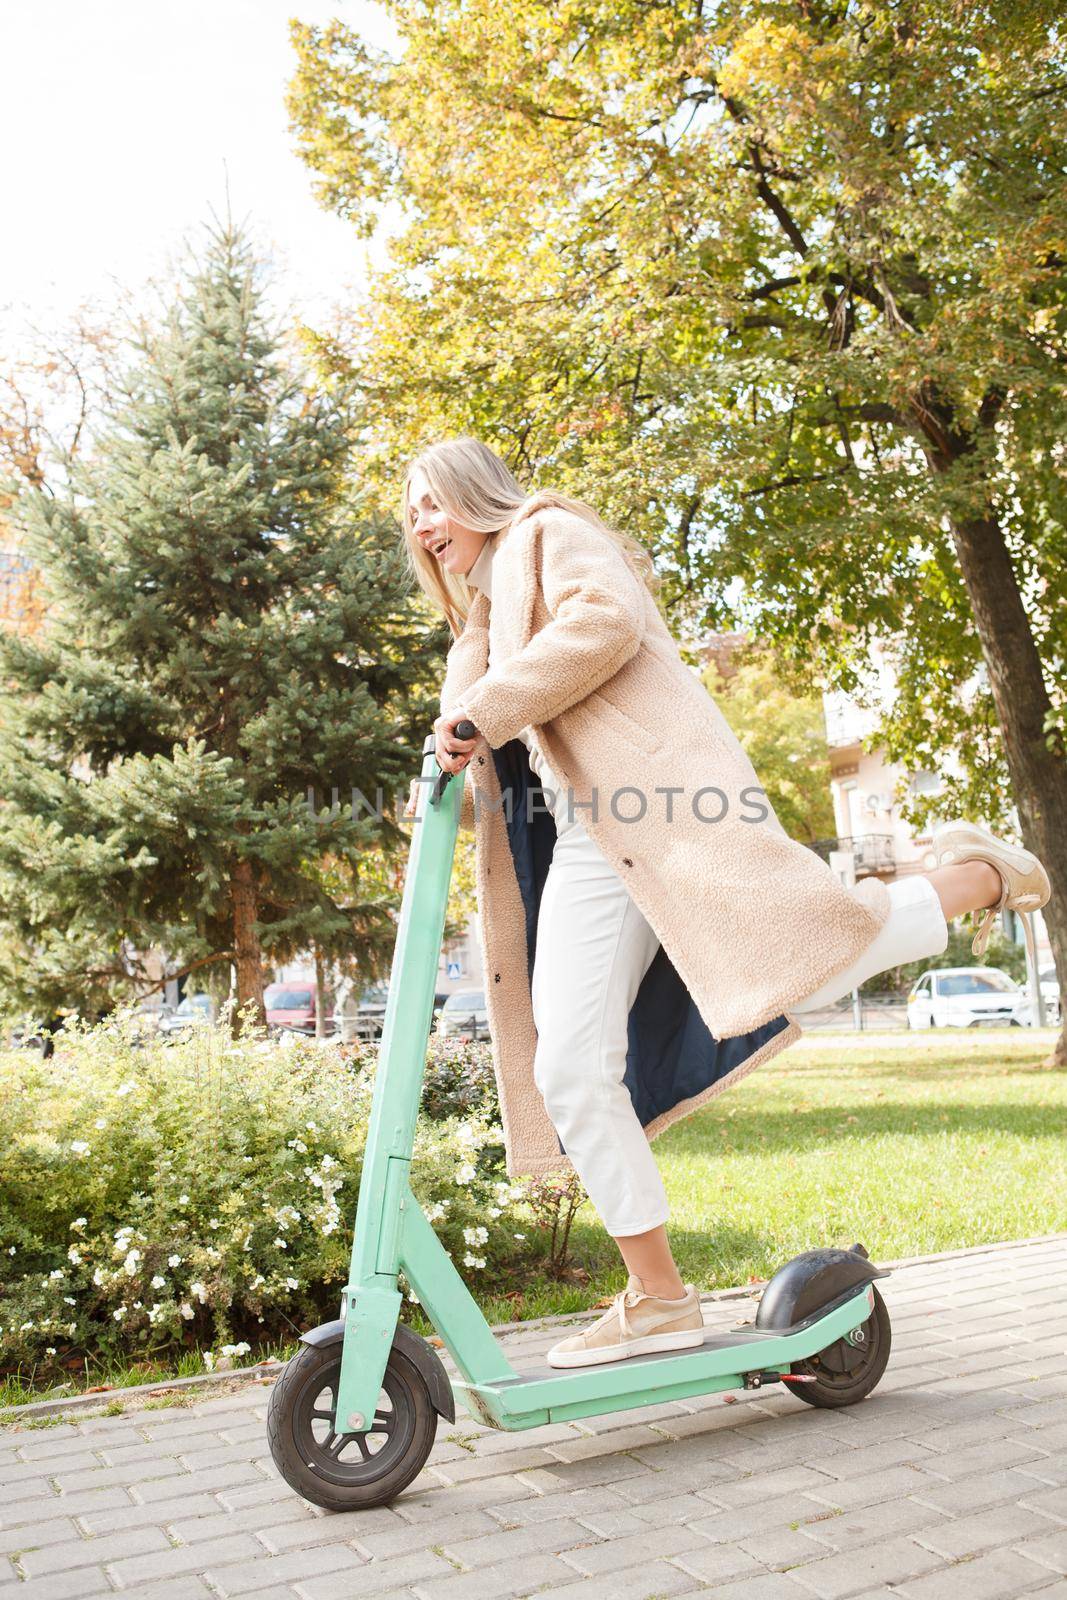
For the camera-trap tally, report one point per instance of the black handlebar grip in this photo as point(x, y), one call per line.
point(464, 730)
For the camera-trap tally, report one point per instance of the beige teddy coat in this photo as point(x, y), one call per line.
point(749, 921)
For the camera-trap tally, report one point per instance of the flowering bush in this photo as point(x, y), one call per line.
point(460, 1080)
point(202, 1191)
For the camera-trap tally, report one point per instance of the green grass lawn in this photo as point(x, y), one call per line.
point(908, 1143)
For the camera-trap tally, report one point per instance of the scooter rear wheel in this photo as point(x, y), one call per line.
point(348, 1471)
point(845, 1372)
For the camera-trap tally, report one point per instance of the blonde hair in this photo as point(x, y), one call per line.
point(471, 483)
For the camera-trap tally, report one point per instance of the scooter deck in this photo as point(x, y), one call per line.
point(540, 1393)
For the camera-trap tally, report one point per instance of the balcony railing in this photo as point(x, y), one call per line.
point(846, 723)
point(871, 852)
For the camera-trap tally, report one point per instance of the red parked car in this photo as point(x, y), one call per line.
point(292, 1006)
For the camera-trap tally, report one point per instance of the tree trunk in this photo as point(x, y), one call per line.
point(1039, 775)
point(320, 995)
point(248, 957)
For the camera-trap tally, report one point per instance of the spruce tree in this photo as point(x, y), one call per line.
point(229, 627)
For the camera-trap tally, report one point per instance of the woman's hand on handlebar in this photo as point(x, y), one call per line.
point(452, 752)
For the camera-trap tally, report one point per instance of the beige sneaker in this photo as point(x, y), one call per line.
point(1025, 882)
point(636, 1324)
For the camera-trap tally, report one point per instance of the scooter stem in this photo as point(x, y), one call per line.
point(372, 1299)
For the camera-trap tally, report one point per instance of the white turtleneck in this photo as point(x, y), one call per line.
point(481, 576)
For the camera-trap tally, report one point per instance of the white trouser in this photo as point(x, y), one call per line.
point(593, 948)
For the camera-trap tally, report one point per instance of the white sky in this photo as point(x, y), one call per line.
point(120, 121)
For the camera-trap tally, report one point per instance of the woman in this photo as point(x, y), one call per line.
point(649, 930)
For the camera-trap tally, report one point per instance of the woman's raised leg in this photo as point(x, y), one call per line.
point(921, 907)
point(967, 886)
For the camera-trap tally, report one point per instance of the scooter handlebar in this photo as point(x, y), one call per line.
point(464, 730)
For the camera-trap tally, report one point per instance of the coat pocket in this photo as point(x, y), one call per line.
point(626, 728)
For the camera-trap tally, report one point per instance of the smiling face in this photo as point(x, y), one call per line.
point(447, 541)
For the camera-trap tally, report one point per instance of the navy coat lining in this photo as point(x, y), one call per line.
point(671, 1053)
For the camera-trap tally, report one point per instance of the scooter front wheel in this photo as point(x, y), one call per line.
point(348, 1471)
point(848, 1369)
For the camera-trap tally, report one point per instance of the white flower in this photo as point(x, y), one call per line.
point(280, 1243)
point(473, 1261)
point(101, 1122)
point(159, 1282)
point(493, 1211)
point(174, 1261)
point(98, 1276)
point(214, 1222)
point(327, 1163)
point(131, 1261)
point(50, 1350)
point(74, 1255)
point(200, 1291)
point(464, 1173)
point(241, 1349)
point(125, 1088)
point(475, 1235)
point(79, 1222)
point(183, 1199)
point(57, 1276)
point(26, 1326)
point(292, 1283)
point(313, 1127)
point(209, 1361)
point(11, 1249)
point(119, 1314)
point(69, 1300)
point(79, 1147)
point(186, 1310)
point(518, 1236)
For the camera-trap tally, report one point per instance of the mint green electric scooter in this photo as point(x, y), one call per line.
point(353, 1416)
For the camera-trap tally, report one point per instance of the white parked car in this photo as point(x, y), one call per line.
point(464, 1016)
point(195, 1011)
point(968, 997)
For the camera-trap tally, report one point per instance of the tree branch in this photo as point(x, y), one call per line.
point(795, 481)
point(772, 287)
point(777, 206)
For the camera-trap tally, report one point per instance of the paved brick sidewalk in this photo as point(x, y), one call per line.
point(950, 1480)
